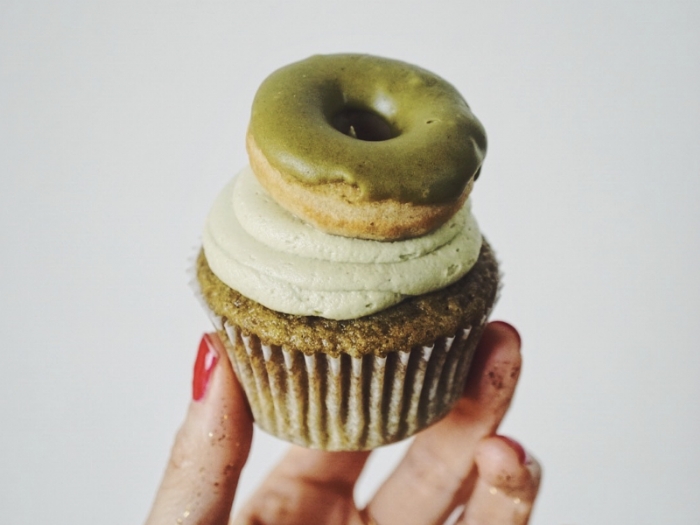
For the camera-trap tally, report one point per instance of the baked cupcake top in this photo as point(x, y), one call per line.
point(416, 321)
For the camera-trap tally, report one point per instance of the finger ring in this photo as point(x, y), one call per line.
point(366, 517)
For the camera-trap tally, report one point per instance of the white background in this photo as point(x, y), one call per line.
point(119, 123)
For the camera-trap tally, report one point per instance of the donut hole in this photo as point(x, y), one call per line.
point(362, 125)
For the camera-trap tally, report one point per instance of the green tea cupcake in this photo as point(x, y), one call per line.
point(348, 339)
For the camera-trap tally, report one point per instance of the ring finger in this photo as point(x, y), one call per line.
point(507, 485)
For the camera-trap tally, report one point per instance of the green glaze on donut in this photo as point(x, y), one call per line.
point(424, 148)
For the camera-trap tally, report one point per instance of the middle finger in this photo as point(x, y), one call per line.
point(438, 472)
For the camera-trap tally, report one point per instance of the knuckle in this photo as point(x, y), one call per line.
point(432, 473)
point(181, 455)
point(273, 506)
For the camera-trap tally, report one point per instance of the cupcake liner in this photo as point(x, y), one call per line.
point(344, 402)
point(348, 403)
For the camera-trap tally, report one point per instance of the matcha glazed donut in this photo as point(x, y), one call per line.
point(364, 146)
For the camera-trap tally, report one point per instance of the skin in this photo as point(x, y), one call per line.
point(457, 467)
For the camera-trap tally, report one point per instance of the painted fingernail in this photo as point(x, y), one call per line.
point(207, 357)
point(510, 328)
point(523, 458)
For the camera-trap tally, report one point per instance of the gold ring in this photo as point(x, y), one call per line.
point(367, 518)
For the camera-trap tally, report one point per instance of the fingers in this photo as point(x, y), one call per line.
point(210, 448)
point(308, 486)
point(438, 472)
point(507, 484)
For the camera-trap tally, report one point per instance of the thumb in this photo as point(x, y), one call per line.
point(210, 448)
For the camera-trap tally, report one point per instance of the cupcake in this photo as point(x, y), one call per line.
point(343, 268)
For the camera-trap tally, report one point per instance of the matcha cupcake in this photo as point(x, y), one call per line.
point(347, 334)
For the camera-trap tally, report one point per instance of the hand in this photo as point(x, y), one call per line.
point(457, 463)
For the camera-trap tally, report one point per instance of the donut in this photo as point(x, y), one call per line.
point(364, 146)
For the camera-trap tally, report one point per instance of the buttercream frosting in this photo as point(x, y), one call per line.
point(262, 251)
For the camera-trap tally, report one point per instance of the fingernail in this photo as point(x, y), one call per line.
point(510, 328)
point(523, 458)
point(207, 357)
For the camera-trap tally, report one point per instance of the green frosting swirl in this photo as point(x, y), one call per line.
point(420, 142)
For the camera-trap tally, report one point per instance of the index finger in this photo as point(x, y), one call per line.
point(211, 447)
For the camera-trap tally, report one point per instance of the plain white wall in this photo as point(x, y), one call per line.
point(119, 123)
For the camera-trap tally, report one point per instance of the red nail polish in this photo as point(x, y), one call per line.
point(523, 458)
point(511, 329)
point(207, 357)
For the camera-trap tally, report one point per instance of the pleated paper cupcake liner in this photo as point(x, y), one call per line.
point(344, 402)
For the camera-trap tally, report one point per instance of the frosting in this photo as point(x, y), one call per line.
point(259, 249)
point(265, 220)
